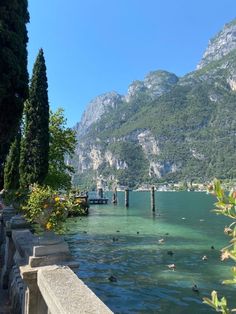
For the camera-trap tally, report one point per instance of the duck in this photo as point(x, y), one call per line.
point(112, 278)
point(161, 241)
point(204, 258)
point(171, 253)
point(171, 266)
point(195, 288)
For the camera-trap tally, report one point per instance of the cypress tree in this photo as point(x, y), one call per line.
point(35, 143)
point(11, 168)
point(13, 71)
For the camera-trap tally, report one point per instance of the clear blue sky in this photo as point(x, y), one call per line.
point(95, 46)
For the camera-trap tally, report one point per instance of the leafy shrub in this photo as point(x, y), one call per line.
point(225, 205)
point(16, 198)
point(77, 205)
point(46, 207)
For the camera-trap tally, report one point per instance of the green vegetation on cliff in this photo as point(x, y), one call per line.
point(193, 124)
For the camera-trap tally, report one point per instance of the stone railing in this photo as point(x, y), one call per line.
point(37, 272)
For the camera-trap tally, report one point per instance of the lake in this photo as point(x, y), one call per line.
point(132, 245)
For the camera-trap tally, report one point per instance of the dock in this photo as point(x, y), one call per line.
point(98, 201)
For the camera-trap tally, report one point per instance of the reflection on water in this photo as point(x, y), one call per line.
point(134, 246)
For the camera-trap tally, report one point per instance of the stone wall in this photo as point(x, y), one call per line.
point(37, 272)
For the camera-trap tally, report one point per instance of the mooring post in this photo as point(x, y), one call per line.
point(114, 196)
point(127, 198)
point(100, 192)
point(153, 198)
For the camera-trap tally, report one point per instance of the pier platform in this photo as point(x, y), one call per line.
point(98, 201)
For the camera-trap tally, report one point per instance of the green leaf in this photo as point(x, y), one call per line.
point(209, 302)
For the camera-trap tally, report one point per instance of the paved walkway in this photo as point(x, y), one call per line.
point(4, 302)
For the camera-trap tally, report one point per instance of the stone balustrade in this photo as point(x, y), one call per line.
point(37, 271)
point(59, 284)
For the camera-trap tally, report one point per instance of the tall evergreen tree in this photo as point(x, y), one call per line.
point(35, 143)
point(11, 168)
point(13, 71)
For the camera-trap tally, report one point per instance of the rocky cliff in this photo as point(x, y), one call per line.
point(223, 43)
point(96, 108)
point(155, 84)
point(164, 128)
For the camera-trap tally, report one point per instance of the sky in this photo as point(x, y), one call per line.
point(96, 46)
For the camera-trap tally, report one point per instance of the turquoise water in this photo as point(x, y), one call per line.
point(124, 243)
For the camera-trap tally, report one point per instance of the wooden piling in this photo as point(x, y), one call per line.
point(153, 198)
point(114, 196)
point(100, 192)
point(127, 198)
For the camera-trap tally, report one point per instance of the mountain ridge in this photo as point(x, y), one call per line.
point(165, 128)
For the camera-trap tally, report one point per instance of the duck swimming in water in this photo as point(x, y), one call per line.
point(195, 288)
point(171, 266)
point(112, 278)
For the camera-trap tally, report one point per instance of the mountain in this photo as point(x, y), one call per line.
point(165, 129)
point(222, 44)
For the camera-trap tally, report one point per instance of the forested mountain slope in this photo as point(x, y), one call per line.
point(166, 128)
